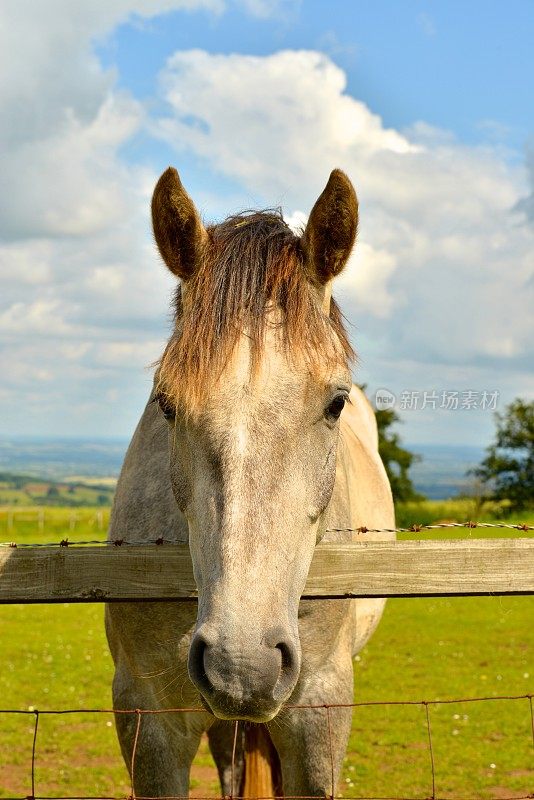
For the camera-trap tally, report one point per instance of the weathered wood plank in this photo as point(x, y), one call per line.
point(366, 569)
point(408, 568)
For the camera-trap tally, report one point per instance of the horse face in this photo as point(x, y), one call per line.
point(254, 467)
point(253, 475)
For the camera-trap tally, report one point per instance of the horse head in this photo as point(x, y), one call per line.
point(252, 383)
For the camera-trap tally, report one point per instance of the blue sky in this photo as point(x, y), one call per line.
point(455, 65)
point(426, 105)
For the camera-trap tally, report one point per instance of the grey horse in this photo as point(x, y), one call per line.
point(253, 447)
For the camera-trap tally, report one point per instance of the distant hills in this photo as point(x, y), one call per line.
point(27, 490)
point(83, 472)
point(58, 459)
point(441, 473)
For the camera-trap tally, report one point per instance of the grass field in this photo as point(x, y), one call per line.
point(56, 657)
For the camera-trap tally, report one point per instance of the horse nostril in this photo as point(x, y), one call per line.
point(289, 662)
point(287, 657)
point(196, 664)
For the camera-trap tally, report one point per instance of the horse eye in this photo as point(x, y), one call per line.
point(336, 406)
point(166, 408)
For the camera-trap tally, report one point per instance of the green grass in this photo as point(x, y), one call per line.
point(424, 649)
point(22, 524)
point(427, 512)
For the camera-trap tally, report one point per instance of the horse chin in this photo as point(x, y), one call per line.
point(232, 711)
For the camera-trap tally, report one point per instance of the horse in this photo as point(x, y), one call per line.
point(253, 447)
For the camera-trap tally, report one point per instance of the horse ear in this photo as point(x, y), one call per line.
point(331, 230)
point(178, 230)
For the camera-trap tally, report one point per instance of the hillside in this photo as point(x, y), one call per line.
point(27, 490)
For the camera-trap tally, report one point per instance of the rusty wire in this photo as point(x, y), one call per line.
point(34, 750)
point(327, 707)
point(160, 540)
point(270, 797)
point(134, 750)
point(430, 749)
point(232, 769)
point(332, 766)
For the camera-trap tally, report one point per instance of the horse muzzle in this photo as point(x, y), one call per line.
point(240, 680)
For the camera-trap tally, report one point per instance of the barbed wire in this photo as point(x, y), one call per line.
point(161, 540)
point(417, 528)
point(326, 707)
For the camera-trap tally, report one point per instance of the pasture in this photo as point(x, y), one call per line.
point(57, 657)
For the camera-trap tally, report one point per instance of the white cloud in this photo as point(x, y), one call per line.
point(122, 354)
point(71, 183)
point(445, 256)
point(38, 318)
point(426, 24)
point(75, 252)
point(62, 121)
point(290, 110)
point(365, 278)
point(364, 283)
point(268, 8)
point(526, 204)
point(21, 267)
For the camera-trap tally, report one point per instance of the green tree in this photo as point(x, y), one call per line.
point(507, 471)
point(397, 460)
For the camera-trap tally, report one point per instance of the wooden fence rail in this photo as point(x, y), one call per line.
point(365, 569)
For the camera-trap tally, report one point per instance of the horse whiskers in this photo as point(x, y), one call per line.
point(178, 676)
point(162, 698)
point(170, 684)
point(281, 723)
point(172, 640)
point(155, 674)
point(182, 690)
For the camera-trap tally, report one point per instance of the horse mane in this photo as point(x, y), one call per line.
point(249, 262)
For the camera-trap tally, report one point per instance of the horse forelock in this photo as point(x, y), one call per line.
point(251, 262)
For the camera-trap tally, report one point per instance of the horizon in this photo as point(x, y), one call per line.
point(8, 438)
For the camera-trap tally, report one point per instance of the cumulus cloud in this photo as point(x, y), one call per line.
point(290, 110)
point(75, 254)
point(70, 182)
point(62, 121)
point(444, 253)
